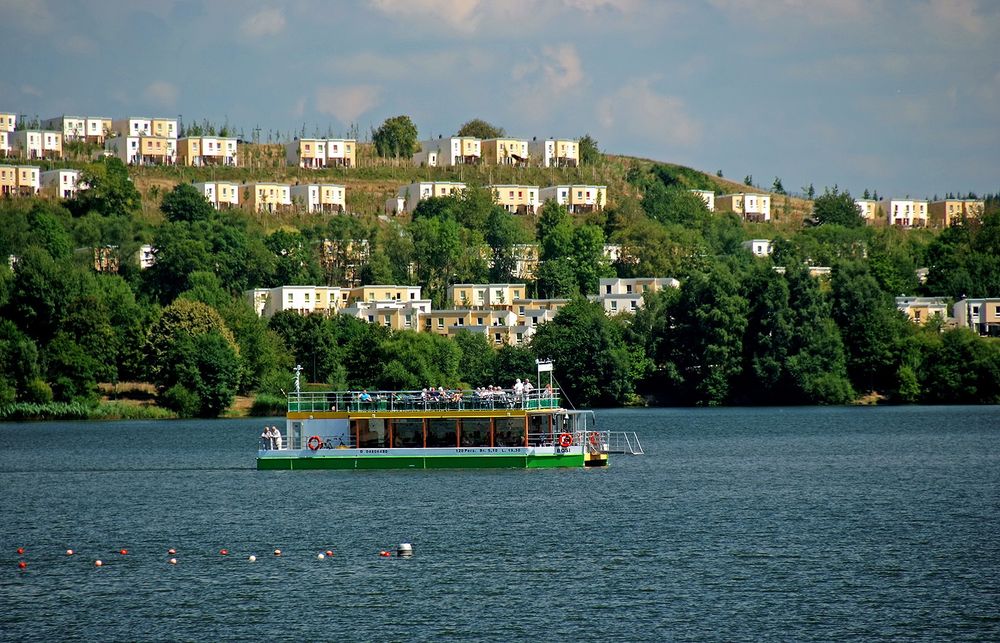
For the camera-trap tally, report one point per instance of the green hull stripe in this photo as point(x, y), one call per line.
point(423, 462)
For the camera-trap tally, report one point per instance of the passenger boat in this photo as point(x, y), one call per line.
point(423, 430)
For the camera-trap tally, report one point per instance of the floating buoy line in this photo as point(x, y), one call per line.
point(403, 550)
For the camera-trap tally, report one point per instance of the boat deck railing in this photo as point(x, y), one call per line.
point(594, 441)
point(625, 442)
point(403, 401)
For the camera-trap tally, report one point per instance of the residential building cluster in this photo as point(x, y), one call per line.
point(504, 313)
point(516, 199)
point(919, 213)
point(979, 314)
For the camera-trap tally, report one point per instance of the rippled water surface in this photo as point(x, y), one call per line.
point(793, 524)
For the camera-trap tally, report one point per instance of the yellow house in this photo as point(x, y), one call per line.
point(320, 152)
point(37, 144)
point(397, 315)
point(164, 127)
point(479, 296)
point(577, 198)
point(383, 293)
point(749, 205)
point(517, 199)
point(948, 211)
point(206, 150)
point(19, 180)
point(320, 197)
point(8, 122)
point(555, 152)
point(504, 151)
point(266, 197)
point(920, 309)
point(408, 196)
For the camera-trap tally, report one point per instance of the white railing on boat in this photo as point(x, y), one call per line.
point(626, 442)
point(427, 400)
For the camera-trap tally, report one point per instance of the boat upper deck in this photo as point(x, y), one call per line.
point(428, 400)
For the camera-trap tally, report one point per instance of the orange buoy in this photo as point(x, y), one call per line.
point(123, 552)
point(171, 551)
point(97, 563)
point(22, 565)
point(223, 552)
point(20, 550)
point(329, 552)
point(69, 552)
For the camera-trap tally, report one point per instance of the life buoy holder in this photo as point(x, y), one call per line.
point(314, 443)
point(565, 439)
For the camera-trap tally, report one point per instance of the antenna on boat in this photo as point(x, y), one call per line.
point(298, 379)
point(544, 366)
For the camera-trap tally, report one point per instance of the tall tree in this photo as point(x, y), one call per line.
point(589, 152)
point(109, 191)
point(479, 128)
point(396, 137)
point(837, 207)
point(186, 203)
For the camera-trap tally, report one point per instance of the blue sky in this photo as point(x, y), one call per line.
point(899, 96)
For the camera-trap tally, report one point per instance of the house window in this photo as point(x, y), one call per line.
point(496, 338)
point(388, 319)
point(307, 297)
point(633, 304)
point(408, 321)
point(371, 319)
point(628, 289)
point(440, 322)
point(607, 289)
point(916, 315)
point(289, 297)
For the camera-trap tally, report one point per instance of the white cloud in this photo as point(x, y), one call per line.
point(266, 22)
point(369, 64)
point(558, 68)
point(639, 111)
point(32, 16)
point(161, 93)
point(300, 107)
point(959, 14)
point(459, 14)
point(816, 12)
point(346, 104)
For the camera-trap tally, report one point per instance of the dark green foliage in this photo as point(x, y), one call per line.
point(110, 191)
point(592, 362)
point(200, 375)
point(186, 203)
point(479, 128)
point(396, 138)
point(838, 208)
point(477, 365)
point(589, 152)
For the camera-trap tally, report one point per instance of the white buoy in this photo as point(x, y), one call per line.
point(98, 563)
point(252, 558)
point(69, 552)
point(277, 552)
point(173, 561)
point(320, 556)
point(405, 550)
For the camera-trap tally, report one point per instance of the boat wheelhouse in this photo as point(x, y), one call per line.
point(433, 430)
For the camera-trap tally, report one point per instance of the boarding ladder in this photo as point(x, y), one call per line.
point(626, 442)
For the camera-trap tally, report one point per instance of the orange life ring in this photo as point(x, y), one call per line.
point(565, 439)
point(314, 443)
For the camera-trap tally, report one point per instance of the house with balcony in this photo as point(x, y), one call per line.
point(921, 309)
point(542, 309)
point(63, 184)
point(751, 206)
point(759, 247)
point(382, 292)
point(946, 212)
point(485, 296)
point(553, 152)
point(982, 315)
point(266, 197)
point(499, 326)
point(578, 199)
point(88, 129)
point(19, 180)
point(625, 295)
point(221, 194)
point(449, 152)
point(505, 151)
point(142, 150)
point(708, 196)
point(394, 314)
point(869, 209)
point(316, 153)
point(199, 151)
point(37, 144)
point(320, 197)
point(408, 196)
point(517, 199)
point(907, 213)
point(305, 300)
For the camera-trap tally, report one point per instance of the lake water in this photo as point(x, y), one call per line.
point(793, 524)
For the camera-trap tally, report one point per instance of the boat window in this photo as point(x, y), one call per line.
point(442, 432)
point(408, 433)
point(371, 433)
point(509, 432)
point(539, 431)
point(475, 432)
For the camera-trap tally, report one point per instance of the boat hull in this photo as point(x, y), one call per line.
point(484, 460)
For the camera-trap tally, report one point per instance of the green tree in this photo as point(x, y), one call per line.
point(837, 207)
point(182, 318)
point(437, 250)
point(502, 234)
point(396, 138)
point(201, 374)
point(777, 187)
point(18, 363)
point(590, 264)
point(589, 152)
point(965, 369)
point(477, 361)
point(479, 128)
point(109, 191)
point(592, 362)
point(185, 203)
